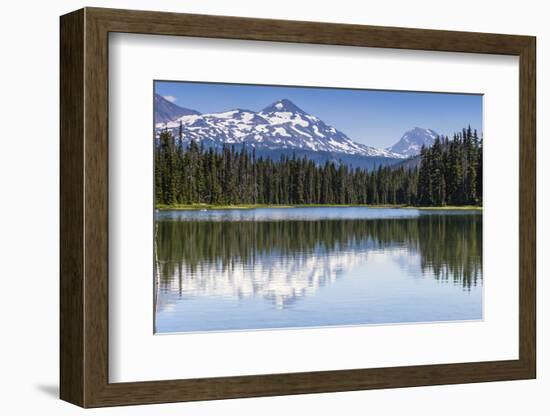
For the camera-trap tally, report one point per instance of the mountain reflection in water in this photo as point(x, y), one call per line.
point(251, 269)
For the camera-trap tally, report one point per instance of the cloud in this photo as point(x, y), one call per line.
point(170, 98)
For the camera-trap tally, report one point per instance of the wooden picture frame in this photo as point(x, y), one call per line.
point(84, 207)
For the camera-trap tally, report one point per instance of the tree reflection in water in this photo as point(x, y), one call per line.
point(285, 260)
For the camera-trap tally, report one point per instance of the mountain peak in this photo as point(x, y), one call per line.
point(412, 141)
point(283, 105)
point(166, 111)
point(421, 130)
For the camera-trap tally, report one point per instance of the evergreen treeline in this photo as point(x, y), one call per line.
point(450, 173)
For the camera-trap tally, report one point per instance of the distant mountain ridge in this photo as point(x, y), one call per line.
point(412, 141)
point(283, 128)
point(166, 111)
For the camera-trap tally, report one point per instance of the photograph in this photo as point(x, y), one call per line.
point(265, 208)
point(280, 207)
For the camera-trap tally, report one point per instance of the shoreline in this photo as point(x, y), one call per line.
point(198, 207)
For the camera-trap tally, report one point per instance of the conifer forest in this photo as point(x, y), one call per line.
point(447, 173)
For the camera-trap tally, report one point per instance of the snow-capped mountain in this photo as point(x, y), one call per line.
point(291, 127)
point(166, 111)
point(412, 141)
point(280, 128)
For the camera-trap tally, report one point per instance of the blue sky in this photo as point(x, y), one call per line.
point(373, 117)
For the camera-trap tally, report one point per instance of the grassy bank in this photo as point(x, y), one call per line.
point(252, 206)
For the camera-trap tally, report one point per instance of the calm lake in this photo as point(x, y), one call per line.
point(219, 270)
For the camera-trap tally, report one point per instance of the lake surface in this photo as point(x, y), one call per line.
point(219, 270)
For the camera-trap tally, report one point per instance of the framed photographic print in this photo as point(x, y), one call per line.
point(256, 207)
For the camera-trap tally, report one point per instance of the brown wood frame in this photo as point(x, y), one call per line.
point(84, 208)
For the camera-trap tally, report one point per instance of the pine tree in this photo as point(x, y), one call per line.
point(437, 178)
point(424, 178)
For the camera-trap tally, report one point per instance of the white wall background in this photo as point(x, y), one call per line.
point(29, 85)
